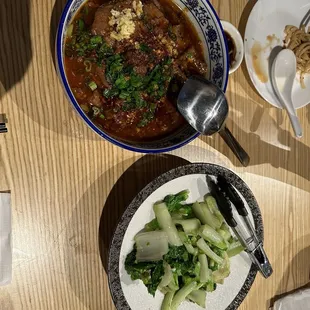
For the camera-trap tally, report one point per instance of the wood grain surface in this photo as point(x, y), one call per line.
point(69, 186)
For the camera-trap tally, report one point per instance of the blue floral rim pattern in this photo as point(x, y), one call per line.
point(205, 16)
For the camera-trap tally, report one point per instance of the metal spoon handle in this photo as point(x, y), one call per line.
point(235, 146)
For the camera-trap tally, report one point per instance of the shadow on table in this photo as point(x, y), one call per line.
point(15, 51)
point(57, 10)
point(132, 181)
point(299, 271)
point(42, 107)
point(82, 262)
point(295, 160)
point(84, 243)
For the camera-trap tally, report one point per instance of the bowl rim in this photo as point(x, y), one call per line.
point(61, 73)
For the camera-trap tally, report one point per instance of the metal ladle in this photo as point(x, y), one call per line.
point(204, 106)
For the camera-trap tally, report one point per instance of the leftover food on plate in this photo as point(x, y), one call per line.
point(184, 252)
point(298, 40)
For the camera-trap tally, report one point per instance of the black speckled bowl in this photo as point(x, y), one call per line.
point(131, 220)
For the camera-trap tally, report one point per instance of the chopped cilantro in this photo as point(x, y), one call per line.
point(110, 92)
point(85, 10)
point(81, 24)
point(145, 48)
point(171, 34)
point(130, 86)
point(126, 83)
point(189, 55)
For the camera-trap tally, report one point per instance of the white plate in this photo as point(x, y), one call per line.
point(128, 294)
point(268, 19)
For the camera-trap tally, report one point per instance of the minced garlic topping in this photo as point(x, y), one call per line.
point(137, 6)
point(124, 21)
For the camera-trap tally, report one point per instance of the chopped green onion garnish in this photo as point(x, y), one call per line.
point(69, 31)
point(145, 48)
point(87, 65)
point(96, 40)
point(81, 24)
point(92, 85)
point(96, 111)
point(189, 55)
point(102, 116)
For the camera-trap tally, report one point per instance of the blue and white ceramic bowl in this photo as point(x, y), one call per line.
point(210, 31)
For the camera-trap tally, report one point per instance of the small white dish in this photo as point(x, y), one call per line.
point(264, 37)
point(238, 43)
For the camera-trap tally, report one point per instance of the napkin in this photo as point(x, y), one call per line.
point(299, 300)
point(5, 239)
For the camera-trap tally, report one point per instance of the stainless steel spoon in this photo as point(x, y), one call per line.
point(205, 107)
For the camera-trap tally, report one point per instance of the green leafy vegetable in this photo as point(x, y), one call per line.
point(223, 272)
point(150, 273)
point(186, 242)
point(156, 276)
point(166, 224)
point(197, 256)
point(182, 294)
point(204, 214)
point(211, 235)
point(174, 201)
point(168, 276)
point(166, 305)
point(211, 286)
point(176, 255)
point(190, 226)
point(151, 246)
point(203, 246)
point(138, 270)
point(205, 273)
point(234, 249)
point(152, 225)
point(211, 202)
point(199, 297)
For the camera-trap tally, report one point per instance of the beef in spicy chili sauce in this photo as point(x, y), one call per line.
point(126, 61)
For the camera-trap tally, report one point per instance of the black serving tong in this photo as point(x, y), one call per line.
point(226, 195)
point(3, 121)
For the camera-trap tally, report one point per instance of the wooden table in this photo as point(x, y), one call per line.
point(69, 187)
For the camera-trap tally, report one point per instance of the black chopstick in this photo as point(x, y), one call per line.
point(3, 121)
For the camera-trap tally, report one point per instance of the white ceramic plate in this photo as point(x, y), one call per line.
point(265, 28)
point(128, 294)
